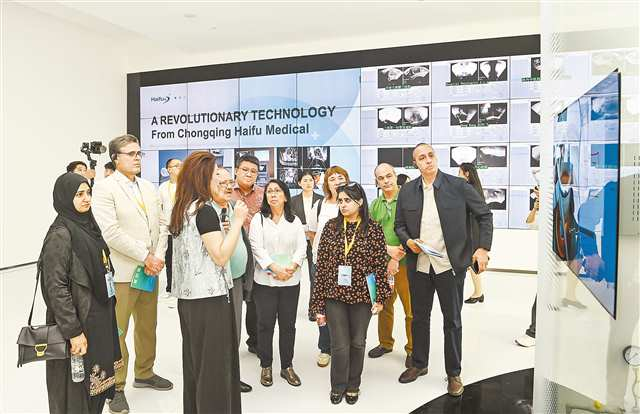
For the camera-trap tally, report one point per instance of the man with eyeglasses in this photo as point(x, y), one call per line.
point(128, 211)
point(167, 197)
point(245, 189)
point(383, 211)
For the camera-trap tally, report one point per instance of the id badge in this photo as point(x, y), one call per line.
point(111, 284)
point(344, 275)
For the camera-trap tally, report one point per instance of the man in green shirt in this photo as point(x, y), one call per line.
point(241, 263)
point(383, 211)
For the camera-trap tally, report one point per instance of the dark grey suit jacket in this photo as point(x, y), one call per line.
point(455, 198)
point(297, 205)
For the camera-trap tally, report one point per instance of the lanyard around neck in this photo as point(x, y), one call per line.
point(349, 245)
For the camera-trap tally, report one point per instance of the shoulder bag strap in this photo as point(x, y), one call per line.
point(33, 302)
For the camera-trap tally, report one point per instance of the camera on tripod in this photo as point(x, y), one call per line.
point(93, 147)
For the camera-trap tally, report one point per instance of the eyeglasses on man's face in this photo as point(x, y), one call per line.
point(133, 154)
point(248, 171)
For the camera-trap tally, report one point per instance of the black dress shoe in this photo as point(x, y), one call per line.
point(244, 387)
point(336, 397)
point(412, 374)
point(474, 300)
point(351, 397)
point(290, 376)
point(378, 351)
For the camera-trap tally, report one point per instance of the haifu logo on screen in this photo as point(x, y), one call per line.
point(162, 99)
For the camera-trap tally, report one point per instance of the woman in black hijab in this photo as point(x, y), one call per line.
point(77, 285)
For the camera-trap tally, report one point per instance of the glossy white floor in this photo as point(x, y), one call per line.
point(489, 330)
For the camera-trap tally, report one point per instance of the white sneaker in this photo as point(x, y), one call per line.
point(323, 359)
point(526, 341)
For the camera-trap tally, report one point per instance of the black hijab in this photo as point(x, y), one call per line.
point(86, 239)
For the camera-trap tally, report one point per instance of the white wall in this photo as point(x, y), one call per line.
point(61, 85)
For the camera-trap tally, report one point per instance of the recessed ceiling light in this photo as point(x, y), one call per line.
point(190, 15)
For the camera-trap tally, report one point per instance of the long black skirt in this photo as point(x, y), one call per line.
point(66, 396)
point(210, 365)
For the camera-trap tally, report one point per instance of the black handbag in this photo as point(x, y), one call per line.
point(41, 342)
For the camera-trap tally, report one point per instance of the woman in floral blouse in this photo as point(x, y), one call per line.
point(352, 246)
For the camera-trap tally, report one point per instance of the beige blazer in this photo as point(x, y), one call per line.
point(130, 233)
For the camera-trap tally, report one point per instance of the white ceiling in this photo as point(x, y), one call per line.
point(197, 27)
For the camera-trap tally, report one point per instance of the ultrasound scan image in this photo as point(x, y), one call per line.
point(493, 70)
point(464, 115)
point(496, 198)
point(464, 72)
point(417, 75)
point(493, 156)
point(416, 116)
point(535, 67)
point(390, 117)
point(536, 107)
point(462, 154)
point(390, 77)
point(493, 113)
point(316, 158)
point(288, 157)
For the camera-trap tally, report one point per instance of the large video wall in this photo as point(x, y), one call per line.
point(483, 110)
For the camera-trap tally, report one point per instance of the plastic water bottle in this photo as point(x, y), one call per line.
point(77, 368)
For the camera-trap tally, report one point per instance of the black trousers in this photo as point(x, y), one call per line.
point(251, 323)
point(532, 328)
point(449, 287)
point(281, 304)
point(168, 260)
point(348, 326)
point(210, 365)
point(324, 337)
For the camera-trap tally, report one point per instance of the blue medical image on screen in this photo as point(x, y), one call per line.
point(586, 194)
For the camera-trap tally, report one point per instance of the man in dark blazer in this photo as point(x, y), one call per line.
point(432, 213)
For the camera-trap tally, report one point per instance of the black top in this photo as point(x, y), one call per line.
point(455, 199)
point(207, 220)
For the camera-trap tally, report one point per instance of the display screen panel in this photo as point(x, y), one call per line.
point(483, 110)
point(586, 191)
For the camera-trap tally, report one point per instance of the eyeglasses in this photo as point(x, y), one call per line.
point(133, 154)
point(226, 183)
point(249, 171)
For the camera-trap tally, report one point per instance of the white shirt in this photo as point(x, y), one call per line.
point(431, 234)
point(282, 243)
point(327, 212)
point(309, 213)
